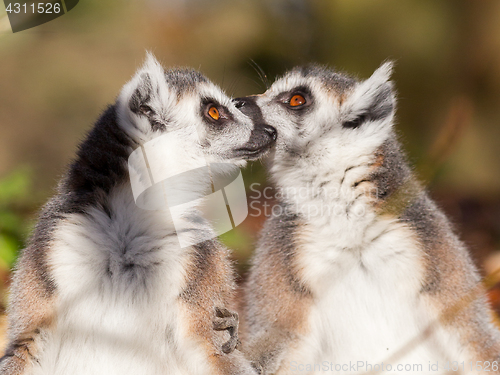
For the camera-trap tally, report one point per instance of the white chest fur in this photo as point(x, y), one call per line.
point(368, 308)
point(118, 281)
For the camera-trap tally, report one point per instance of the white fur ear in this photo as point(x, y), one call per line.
point(146, 82)
point(153, 68)
point(372, 99)
point(147, 86)
point(383, 73)
point(144, 99)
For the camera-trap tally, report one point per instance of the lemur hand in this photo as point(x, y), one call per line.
point(227, 320)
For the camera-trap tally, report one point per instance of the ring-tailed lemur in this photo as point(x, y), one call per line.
point(356, 263)
point(104, 287)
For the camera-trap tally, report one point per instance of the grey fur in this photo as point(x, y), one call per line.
point(394, 171)
point(332, 80)
point(184, 80)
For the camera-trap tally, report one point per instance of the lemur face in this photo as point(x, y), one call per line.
point(202, 121)
point(324, 117)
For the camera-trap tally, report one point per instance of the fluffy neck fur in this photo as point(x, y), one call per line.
point(349, 192)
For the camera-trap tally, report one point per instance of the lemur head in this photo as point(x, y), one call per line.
point(203, 123)
point(325, 120)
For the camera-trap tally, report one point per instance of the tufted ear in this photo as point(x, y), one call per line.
point(146, 96)
point(371, 100)
point(148, 82)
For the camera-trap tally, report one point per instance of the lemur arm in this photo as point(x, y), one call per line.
point(223, 356)
point(206, 302)
point(16, 360)
point(30, 312)
point(267, 350)
point(276, 311)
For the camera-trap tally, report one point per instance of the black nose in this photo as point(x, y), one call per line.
point(249, 107)
point(271, 131)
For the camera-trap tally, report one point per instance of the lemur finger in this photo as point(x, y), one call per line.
point(231, 344)
point(227, 320)
point(222, 312)
point(221, 324)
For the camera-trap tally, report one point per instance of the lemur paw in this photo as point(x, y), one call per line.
point(227, 320)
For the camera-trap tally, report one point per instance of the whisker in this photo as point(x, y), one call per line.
point(260, 72)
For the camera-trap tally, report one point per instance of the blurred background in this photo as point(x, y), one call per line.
point(56, 78)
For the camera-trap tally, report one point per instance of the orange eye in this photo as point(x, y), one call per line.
point(297, 100)
point(214, 113)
